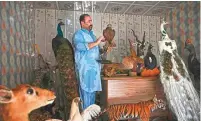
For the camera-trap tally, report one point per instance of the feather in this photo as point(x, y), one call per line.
point(86, 115)
point(182, 96)
point(91, 111)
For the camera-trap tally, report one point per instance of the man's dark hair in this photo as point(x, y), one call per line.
point(82, 17)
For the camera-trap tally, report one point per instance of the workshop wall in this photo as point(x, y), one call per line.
point(16, 40)
point(185, 24)
point(46, 22)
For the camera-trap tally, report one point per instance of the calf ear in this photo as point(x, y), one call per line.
point(6, 94)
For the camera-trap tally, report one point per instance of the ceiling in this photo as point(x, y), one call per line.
point(148, 8)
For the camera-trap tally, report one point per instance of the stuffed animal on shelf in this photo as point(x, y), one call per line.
point(150, 61)
point(131, 61)
point(150, 64)
point(140, 44)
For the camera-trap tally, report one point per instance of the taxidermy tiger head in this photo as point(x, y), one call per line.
point(158, 104)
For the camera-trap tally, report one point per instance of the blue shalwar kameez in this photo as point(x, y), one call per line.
point(88, 69)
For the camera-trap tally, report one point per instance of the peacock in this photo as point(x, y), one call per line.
point(64, 55)
point(180, 93)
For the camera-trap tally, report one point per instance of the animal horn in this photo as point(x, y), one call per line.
point(135, 36)
point(143, 41)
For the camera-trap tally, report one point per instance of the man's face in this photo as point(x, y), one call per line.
point(87, 23)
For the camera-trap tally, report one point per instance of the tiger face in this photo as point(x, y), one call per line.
point(158, 104)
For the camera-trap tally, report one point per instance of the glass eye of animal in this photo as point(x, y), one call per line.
point(30, 91)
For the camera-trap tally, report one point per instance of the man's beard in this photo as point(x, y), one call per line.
point(90, 27)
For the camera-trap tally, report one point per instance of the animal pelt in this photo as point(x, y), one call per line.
point(140, 110)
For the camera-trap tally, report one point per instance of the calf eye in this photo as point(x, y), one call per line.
point(30, 91)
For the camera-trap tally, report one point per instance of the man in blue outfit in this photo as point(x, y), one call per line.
point(86, 56)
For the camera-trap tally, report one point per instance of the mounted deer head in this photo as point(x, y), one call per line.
point(16, 104)
point(140, 45)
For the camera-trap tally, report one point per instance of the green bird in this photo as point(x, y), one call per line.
point(64, 55)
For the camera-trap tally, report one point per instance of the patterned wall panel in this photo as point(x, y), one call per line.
point(122, 36)
point(77, 22)
point(121, 23)
point(69, 25)
point(61, 14)
point(105, 22)
point(185, 24)
point(129, 34)
point(145, 28)
point(152, 35)
point(40, 30)
point(115, 26)
point(158, 35)
point(137, 20)
point(16, 42)
point(97, 17)
point(50, 25)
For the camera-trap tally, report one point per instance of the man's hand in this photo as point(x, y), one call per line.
point(97, 42)
point(100, 39)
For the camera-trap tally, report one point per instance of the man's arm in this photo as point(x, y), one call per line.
point(79, 43)
point(97, 42)
point(83, 46)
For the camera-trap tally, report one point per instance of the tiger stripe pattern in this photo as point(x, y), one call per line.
point(140, 110)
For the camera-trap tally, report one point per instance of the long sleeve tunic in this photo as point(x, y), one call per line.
point(86, 64)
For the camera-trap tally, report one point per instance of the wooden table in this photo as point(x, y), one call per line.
point(121, 90)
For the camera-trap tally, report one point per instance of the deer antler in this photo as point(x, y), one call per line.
point(143, 41)
point(136, 37)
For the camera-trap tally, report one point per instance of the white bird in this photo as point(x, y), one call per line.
point(180, 93)
point(86, 115)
